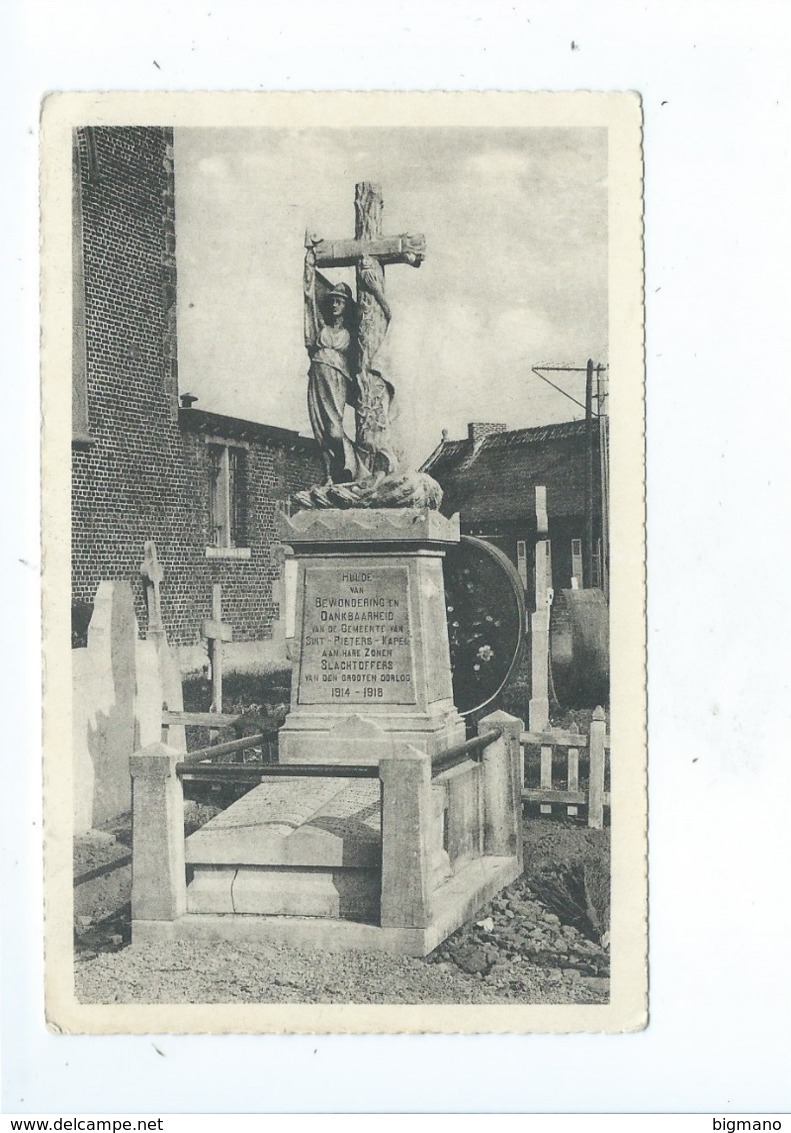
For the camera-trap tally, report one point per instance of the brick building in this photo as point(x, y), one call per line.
point(205, 487)
point(490, 478)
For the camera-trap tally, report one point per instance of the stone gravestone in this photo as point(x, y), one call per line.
point(117, 706)
point(169, 673)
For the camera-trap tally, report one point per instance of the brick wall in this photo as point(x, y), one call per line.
point(143, 475)
point(274, 470)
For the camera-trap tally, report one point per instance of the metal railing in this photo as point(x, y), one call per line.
point(471, 749)
point(229, 748)
point(200, 765)
point(257, 772)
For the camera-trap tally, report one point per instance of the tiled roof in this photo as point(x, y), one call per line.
point(496, 480)
point(217, 424)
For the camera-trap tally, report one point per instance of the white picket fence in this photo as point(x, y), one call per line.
point(567, 793)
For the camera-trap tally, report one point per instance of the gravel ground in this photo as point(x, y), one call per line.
point(534, 943)
point(225, 973)
point(100, 896)
point(540, 941)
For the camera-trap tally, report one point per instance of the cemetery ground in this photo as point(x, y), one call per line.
point(543, 940)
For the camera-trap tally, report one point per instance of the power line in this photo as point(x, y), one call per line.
point(549, 383)
point(563, 370)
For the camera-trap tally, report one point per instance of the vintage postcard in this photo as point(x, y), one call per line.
point(344, 593)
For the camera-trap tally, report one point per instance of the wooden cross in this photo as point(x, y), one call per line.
point(153, 577)
point(538, 709)
point(216, 631)
point(368, 252)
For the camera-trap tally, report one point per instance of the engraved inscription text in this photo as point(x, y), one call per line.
point(356, 637)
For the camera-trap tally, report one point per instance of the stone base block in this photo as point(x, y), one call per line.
point(346, 894)
point(210, 891)
point(455, 903)
point(310, 737)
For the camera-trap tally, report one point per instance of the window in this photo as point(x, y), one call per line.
point(576, 564)
point(521, 560)
point(597, 578)
point(227, 500)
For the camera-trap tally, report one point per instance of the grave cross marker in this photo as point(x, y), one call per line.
point(153, 577)
point(169, 672)
point(216, 631)
point(538, 712)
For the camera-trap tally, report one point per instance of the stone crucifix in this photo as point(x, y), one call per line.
point(344, 348)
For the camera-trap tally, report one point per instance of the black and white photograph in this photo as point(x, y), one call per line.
point(351, 557)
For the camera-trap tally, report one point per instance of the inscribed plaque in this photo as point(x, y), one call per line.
point(356, 636)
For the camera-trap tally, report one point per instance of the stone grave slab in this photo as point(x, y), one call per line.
point(292, 847)
point(295, 822)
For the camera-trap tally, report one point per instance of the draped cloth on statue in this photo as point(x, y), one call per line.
point(330, 389)
point(331, 382)
point(350, 356)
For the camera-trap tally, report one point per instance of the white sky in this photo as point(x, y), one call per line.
point(515, 273)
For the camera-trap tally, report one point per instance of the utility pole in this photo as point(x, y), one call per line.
point(596, 426)
point(588, 559)
point(604, 477)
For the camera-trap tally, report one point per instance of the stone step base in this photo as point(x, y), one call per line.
point(343, 894)
point(455, 903)
point(299, 847)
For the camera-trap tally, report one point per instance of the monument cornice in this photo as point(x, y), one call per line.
point(373, 528)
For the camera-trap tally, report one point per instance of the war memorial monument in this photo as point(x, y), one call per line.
point(380, 826)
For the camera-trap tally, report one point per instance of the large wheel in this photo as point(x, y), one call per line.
point(485, 606)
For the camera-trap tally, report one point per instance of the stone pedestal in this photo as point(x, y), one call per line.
point(396, 861)
point(371, 643)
